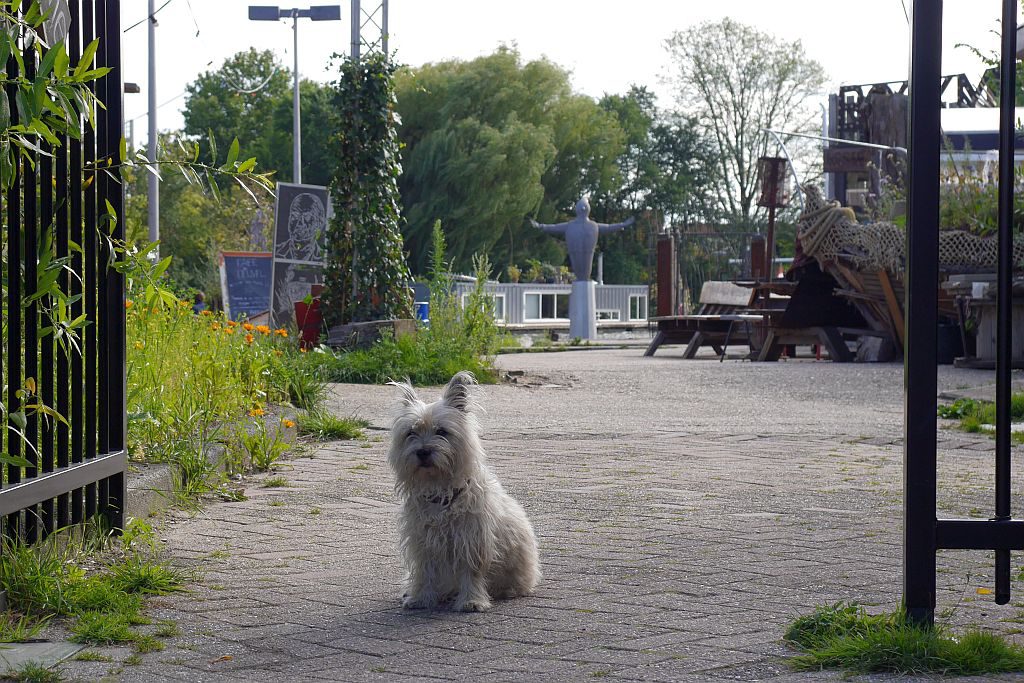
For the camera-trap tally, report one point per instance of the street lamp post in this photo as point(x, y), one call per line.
point(316, 13)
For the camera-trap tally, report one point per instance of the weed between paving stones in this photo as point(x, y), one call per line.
point(980, 416)
point(844, 636)
point(100, 595)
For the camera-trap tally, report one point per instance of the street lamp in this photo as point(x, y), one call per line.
point(316, 13)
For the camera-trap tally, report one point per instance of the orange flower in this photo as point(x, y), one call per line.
point(281, 331)
point(248, 327)
point(302, 349)
point(263, 329)
point(232, 323)
point(128, 303)
point(204, 311)
point(249, 339)
point(287, 423)
point(256, 412)
point(214, 327)
point(229, 330)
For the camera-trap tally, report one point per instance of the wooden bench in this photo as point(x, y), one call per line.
point(716, 323)
point(813, 312)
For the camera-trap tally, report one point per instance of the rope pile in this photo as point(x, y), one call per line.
point(830, 232)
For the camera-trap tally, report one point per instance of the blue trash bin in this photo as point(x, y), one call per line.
point(422, 309)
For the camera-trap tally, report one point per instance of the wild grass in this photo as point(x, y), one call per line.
point(92, 656)
point(844, 636)
point(33, 672)
point(326, 427)
point(195, 380)
point(48, 580)
point(980, 416)
point(17, 628)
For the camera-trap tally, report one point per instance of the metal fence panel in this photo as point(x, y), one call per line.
point(57, 208)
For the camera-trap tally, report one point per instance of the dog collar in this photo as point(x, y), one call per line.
point(444, 500)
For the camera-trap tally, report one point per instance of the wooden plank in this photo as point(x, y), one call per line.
point(836, 345)
point(725, 293)
point(655, 343)
point(694, 345)
point(895, 308)
point(769, 351)
point(849, 159)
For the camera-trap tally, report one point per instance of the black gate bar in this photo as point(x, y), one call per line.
point(924, 534)
point(920, 380)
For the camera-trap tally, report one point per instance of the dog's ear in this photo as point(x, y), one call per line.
point(406, 394)
point(458, 392)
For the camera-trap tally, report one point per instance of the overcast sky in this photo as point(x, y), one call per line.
point(606, 45)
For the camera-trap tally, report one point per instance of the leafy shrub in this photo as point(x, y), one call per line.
point(457, 339)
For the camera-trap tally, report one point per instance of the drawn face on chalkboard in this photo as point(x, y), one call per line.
point(307, 217)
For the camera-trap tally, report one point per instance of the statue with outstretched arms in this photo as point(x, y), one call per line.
point(581, 235)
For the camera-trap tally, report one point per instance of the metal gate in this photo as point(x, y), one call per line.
point(709, 255)
point(924, 534)
point(57, 212)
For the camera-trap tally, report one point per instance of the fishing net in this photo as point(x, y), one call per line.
point(830, 232)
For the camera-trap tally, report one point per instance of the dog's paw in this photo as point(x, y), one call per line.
point(472, 605)
point(414, 602)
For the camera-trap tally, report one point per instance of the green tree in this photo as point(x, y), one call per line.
point(239, 100)
point(250, 97)
point(738, 81)
point(319, 124)
point(666, 178)
point(491, 141)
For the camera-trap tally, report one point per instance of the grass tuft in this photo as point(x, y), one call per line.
point(276, 482)
point(324, 426)
point(102, 628)
point(17, 628)
point(973, 414)
point(33, 672)
point(92, 656)
point(844, 636)
point(139, 574)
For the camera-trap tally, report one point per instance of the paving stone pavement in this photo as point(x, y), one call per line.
point(686, 511)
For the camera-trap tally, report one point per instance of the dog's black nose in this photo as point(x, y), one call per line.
point(424, 454)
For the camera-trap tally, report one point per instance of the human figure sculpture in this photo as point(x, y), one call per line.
point(581, 236)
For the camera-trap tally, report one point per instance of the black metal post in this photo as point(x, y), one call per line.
point(91, 247)
point(14, 318)
point(104, 257)
point(922, 313)
point(76, 180)
point(1004, 278)
point(30, 227)
point(117, 409)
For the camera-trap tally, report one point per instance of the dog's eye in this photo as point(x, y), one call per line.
point(442, 433)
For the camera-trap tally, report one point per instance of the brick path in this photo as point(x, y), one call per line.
point(687, 511)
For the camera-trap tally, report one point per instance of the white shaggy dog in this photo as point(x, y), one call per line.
point(463, 539)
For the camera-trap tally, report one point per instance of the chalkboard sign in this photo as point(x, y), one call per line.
point(245, 278)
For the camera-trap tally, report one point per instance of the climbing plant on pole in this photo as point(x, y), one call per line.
point(367, 277)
